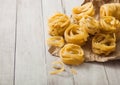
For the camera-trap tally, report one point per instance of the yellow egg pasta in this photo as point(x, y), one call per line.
point(79, 12)
point(58, 70)
point(72, 54)
point(73, 71)
point(76, 34)
point(91, 25)
point(103, 43)
point(109, 24)
point(56, 41)
point(57, 24)
point(96, 28)
point(111, 9)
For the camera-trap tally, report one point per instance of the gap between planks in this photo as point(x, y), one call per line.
point(15, 42)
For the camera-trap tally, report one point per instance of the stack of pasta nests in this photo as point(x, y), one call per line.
point(70, 36)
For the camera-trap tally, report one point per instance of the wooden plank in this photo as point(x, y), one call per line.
point(30, 59)
point(49, 8)
point(113, 71)
point(7, 41)
point(88, 73)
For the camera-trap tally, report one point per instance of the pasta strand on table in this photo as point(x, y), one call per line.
point(59, 70)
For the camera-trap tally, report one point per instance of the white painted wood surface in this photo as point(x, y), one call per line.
point(7, 41)
point(30, 68)
point(24, 57)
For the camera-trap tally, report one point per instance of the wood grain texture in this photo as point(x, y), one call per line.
point(30, 59)
point(88, 73)
point(24, 56)
point(113, 71)
point(49, 8)
point(7, 41)
point(112, 68)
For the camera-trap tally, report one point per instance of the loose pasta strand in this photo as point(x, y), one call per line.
point(59, 70)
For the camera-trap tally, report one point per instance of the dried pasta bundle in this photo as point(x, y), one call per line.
point(72, 54)
point(111, 9)
point(57, 24)
point(103, 43)
point(109, 24)
point(79, 12)
point(91, 25)
point(76, 34)
point(56, 41)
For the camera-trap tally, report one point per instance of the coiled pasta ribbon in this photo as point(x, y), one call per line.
point(109, 24)
point(56, 41)
point(91, 25)
point(112, 9)
point(72, 54)
point(57, 24)
point(61, 69)
point(79, 12)
point(76, 34)
point(104, 43)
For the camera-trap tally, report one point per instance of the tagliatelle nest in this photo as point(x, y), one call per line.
point(72, 54)
point(76, 34)
point(109, 24)
point(58, 23)
point(80, 11)
point(104, 43)
point(90, 24)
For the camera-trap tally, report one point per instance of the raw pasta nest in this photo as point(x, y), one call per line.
point(108, 24)
point(111, 9)
point(91, 25)
point(72, 54)
point(56, 41)
point(104, 43)
point(79, 12)
point(57, 24)
point(76, 34)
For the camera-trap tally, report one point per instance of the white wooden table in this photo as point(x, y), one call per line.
point(24, 57)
